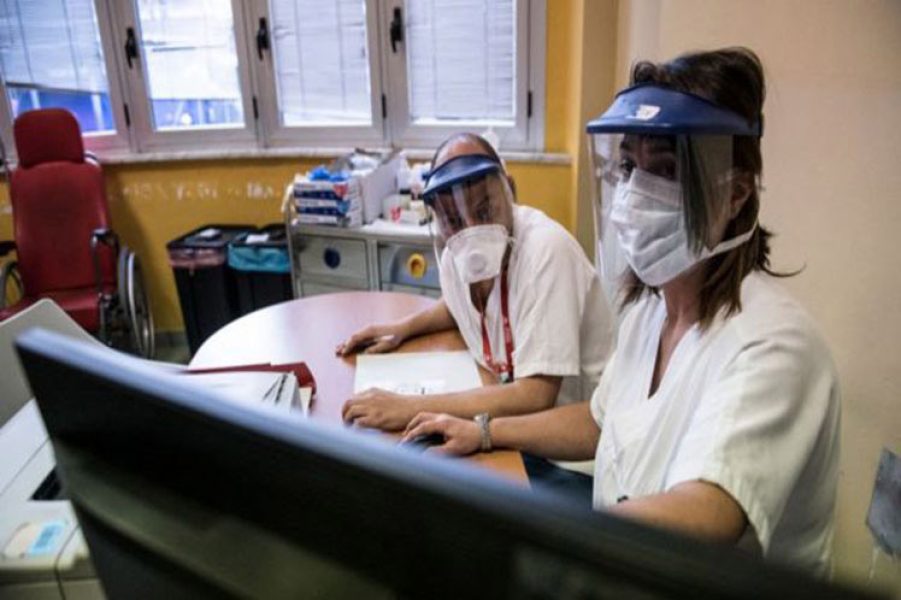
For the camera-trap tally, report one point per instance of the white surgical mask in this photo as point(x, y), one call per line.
point(650, 227)
point(478, 251)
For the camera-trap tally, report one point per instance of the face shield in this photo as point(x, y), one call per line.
point(472, 214)
point(662, 162)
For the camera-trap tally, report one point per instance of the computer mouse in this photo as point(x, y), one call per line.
point(425, 440)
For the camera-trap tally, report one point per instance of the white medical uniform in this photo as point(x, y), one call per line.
point(559, 318)
point(751, 405)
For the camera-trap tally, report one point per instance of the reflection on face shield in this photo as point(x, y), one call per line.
point(485, 200)
point(655, 154)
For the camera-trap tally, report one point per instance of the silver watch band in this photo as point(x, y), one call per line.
point(482, 420)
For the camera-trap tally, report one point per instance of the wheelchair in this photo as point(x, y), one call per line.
point(65, 249)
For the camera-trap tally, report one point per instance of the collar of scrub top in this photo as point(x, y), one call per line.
point(456, 170)
point(655, 110)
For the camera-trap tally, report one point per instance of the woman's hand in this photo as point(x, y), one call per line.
point(375, 339)
point(461, 436)
point(380, 409)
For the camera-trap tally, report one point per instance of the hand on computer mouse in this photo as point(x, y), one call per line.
point(461, 436)
point(424, 441)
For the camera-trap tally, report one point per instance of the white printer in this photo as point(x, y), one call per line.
point(43, 555)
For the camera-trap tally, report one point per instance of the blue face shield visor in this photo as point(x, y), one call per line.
point(671, 137)
point(648, 109)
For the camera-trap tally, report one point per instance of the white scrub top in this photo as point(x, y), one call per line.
point(558, 315)
point(751, 405)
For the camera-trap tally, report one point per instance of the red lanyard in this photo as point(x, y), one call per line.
point(502, 370)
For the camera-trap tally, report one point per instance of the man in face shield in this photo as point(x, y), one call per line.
point(718, 413)
point(517, 286)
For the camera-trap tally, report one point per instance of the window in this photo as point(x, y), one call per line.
point(156, 74)
point(320, 80)
point(187, 71)
point(321, 62)
point(466, 64)
point(52, 56)
point(461, 61)
point(191, 64)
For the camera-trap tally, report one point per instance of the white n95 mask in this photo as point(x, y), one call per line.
point(650, 227)
point(478, 251)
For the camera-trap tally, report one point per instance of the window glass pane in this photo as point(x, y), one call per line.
point(321, 62)
point(51, 56)
point(188, 49)
point(461, 60)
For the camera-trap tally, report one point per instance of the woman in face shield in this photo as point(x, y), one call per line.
point(519, 288)
point(718, 413)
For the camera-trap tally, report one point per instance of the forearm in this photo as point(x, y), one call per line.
point(562, 433)
point(695, 508)
point(527, 395)
point(431, 320)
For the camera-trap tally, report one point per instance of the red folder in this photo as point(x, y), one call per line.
point(300, 370)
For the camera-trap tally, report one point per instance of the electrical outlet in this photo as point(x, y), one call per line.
point(884, 517)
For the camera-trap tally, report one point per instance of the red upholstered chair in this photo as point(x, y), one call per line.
point(65, 248)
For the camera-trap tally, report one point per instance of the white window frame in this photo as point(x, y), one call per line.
point(145, 137)
point(117, 141)
point(276, 134)
point(527, 133)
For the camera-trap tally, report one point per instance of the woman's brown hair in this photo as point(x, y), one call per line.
point(732, 78)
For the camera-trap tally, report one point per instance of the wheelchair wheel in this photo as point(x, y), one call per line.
point(134, 301)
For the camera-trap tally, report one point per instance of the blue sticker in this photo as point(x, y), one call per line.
point(48, 539)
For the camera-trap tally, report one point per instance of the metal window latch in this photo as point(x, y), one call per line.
point(396, 29)
point(131, 46)
point(262, 37)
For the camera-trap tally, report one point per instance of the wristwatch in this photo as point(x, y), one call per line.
point(482, 420)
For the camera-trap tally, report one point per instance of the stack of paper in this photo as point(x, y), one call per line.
point(417, 373)
point(271, 389)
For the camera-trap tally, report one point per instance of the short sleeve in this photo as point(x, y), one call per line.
point(552, 293)
point(755, 426)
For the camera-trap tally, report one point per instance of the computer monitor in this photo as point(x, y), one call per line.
point(182, 495)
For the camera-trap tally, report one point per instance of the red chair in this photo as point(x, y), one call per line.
point(64, 246)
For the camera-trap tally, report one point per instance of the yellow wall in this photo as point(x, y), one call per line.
point(831, 177)
point(153, 204)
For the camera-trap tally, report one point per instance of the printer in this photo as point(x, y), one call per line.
point(43, 554)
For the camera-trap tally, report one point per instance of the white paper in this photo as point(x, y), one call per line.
point(266, 389)
point(256, 238)
point(417, 373)
point(304, 399)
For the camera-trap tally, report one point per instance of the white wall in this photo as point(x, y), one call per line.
point(832, 173)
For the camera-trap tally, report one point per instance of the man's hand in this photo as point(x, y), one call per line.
point(461, 436)
point(380, 409)
point(375, 339)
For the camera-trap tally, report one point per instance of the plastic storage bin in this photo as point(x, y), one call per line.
point(206, 286)
point(262, 268)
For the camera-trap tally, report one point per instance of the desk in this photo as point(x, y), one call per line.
point(309, 329)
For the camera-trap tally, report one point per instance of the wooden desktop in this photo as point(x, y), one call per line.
point(310, 328)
